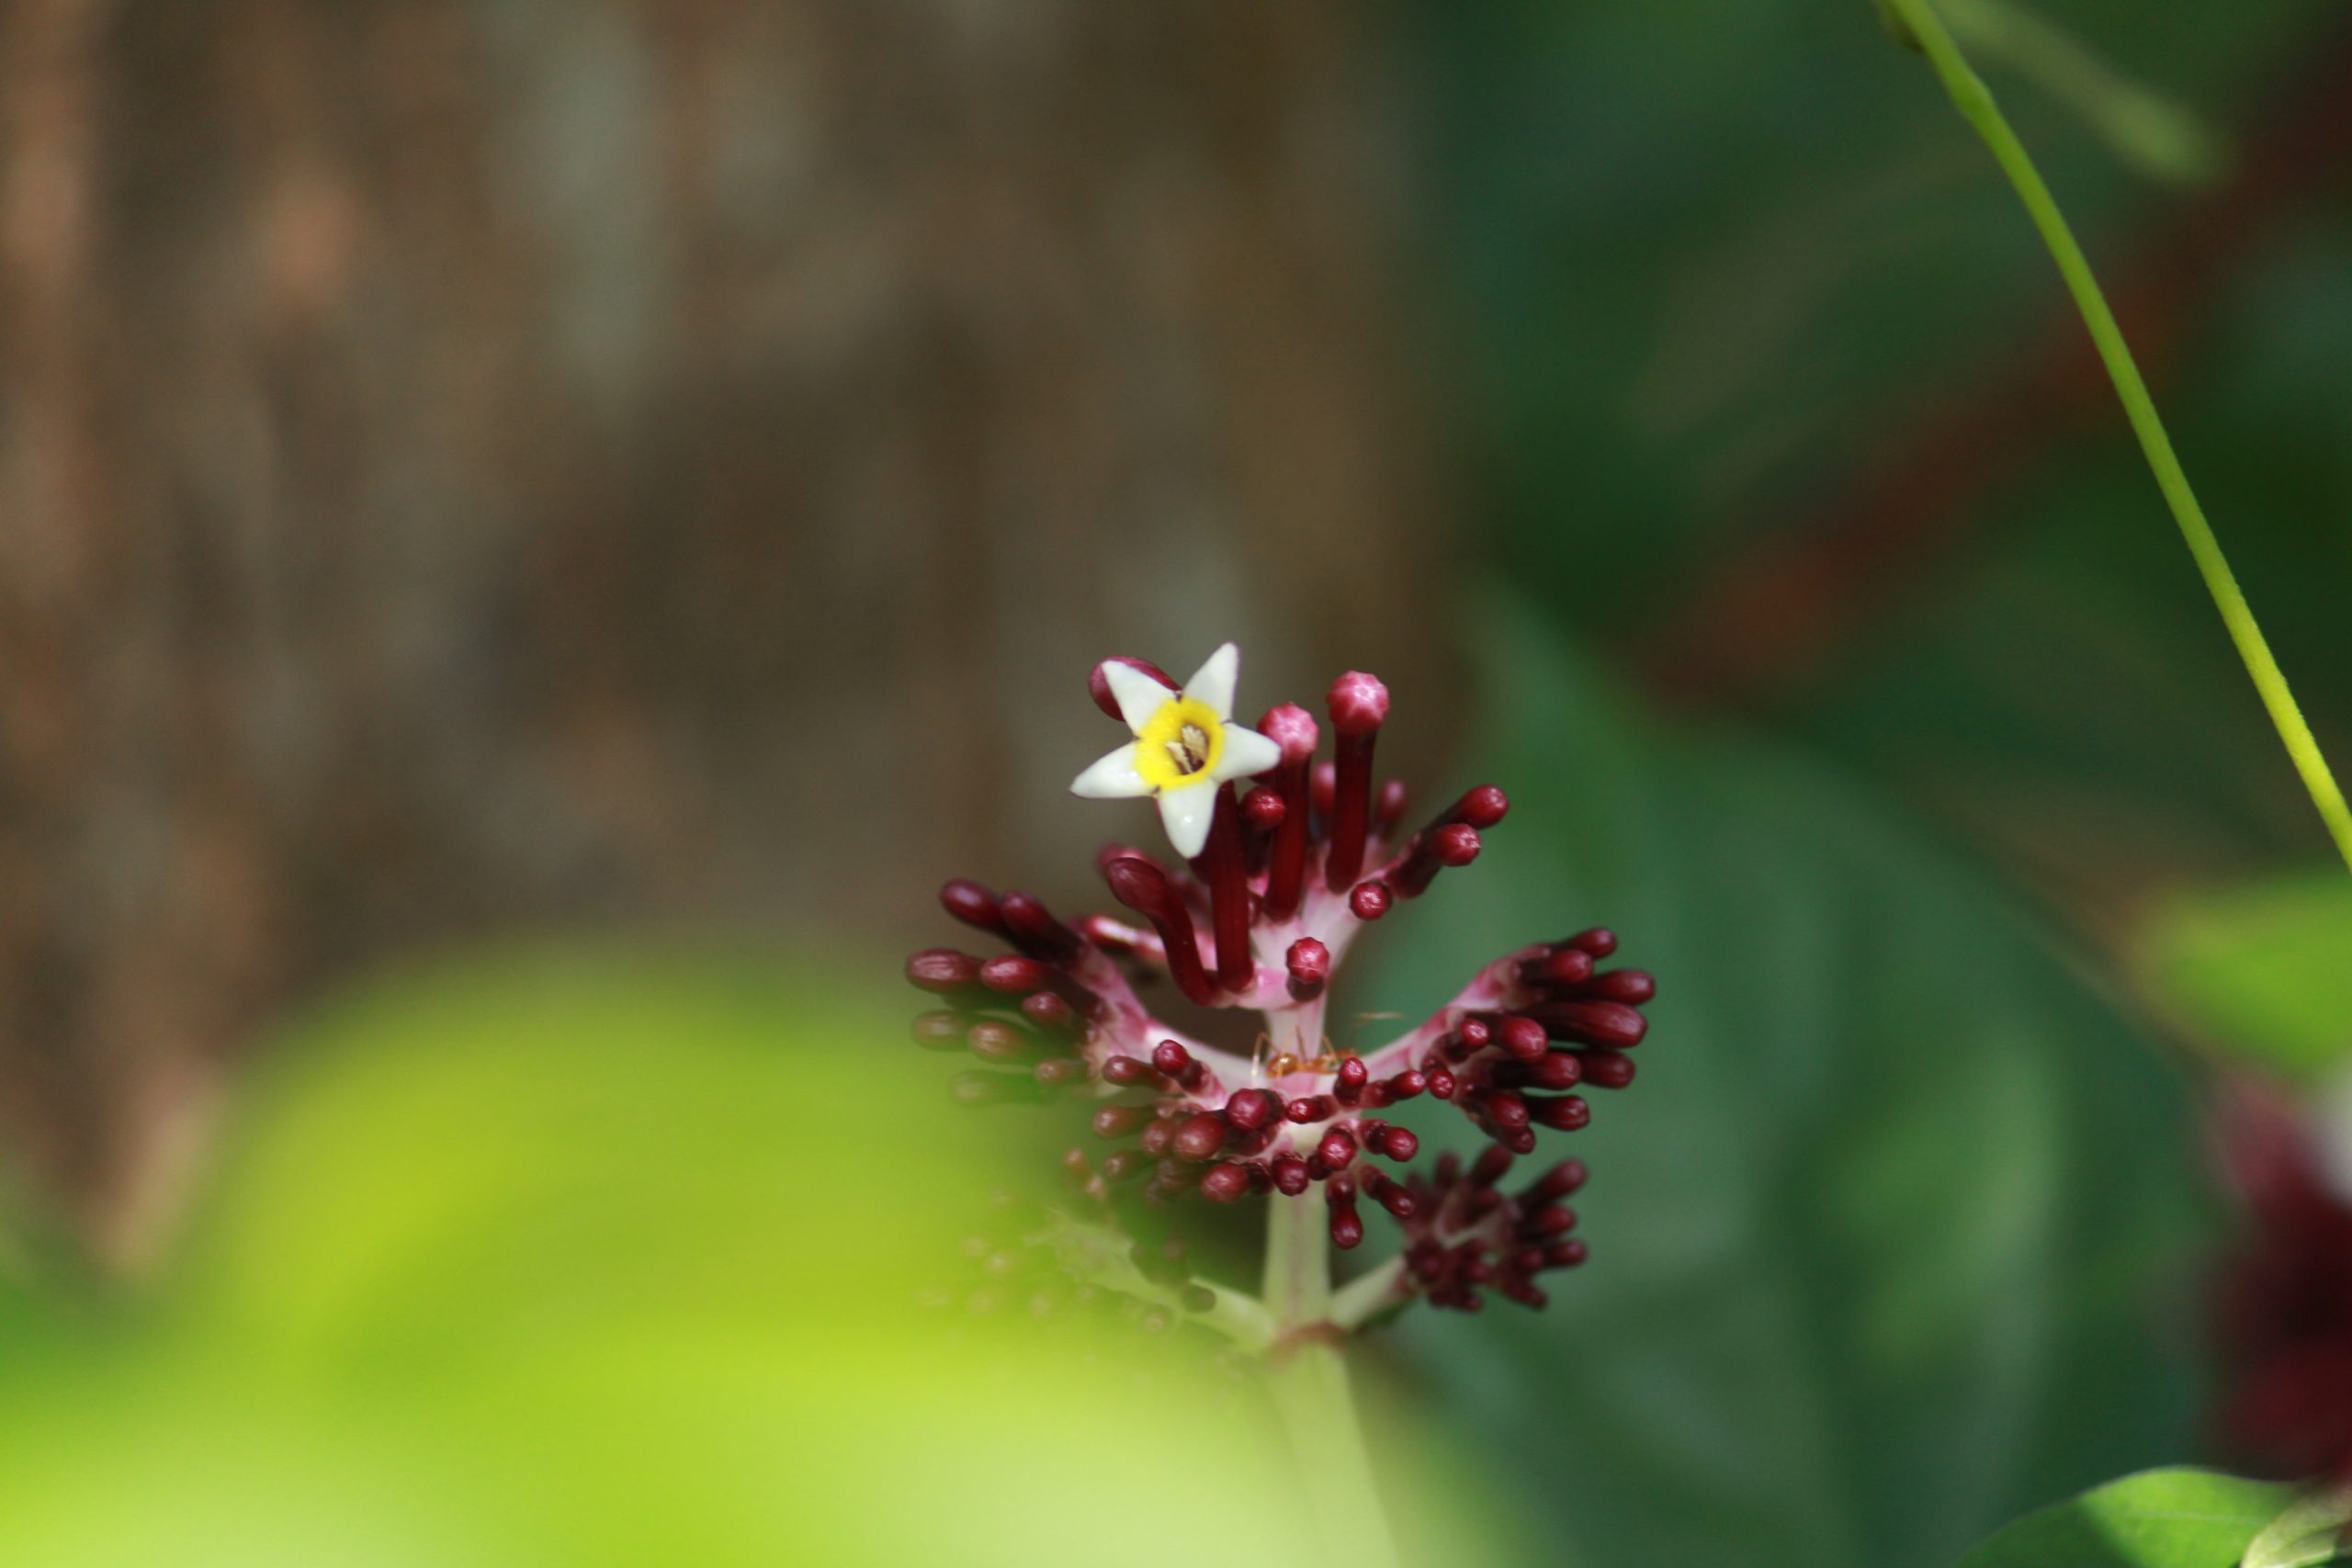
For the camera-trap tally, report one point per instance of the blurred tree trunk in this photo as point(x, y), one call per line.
point(472, 464)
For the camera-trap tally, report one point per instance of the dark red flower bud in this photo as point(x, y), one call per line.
point(973, 905)
point(1250, 1108)
point(1452, 845)
point(1611, 1024)
point(1566, 1114)
point(1126, 1072)
point(1047, 1010)
point(1561, 967)
point(1507, 1110)
point(1632, 987)
point(1199, 1136)
point(1293, 729)
point(1522, 1037)
point(1145, 888)
point(1557, 1182)
point(1389, 1194)
point(1553, 1070)
point(1014, 976)
point(1289, 727)
point(1606, 1070)
point(1546, 1224)
point(1482, 807)
point(1034, 930)
point(1224, 865)
point(1098, 685)
point(1310, 963)
point(993, 1040)
point(1223, 1184)
point(1173, 1061)
point(1125, 1165)
point(944, 969)
point(1262, 809)
point(1347, 1083)
point(940, 1032)
point(1291, 1177)
point(1120, 1121)
point(1357, 703)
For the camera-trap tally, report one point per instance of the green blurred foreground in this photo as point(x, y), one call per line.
point(586, 1261)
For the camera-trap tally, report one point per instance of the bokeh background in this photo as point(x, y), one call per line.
point(549, 526)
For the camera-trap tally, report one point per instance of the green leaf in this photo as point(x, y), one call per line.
point(2306, 1534)
point(2156, 135)
point(1889, 1237)
point(598, 1260)
point(2262, 971)
point(2160, 1518)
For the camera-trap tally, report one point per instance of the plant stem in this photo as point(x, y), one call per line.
point(1308, 1378)
point(1360, 1300)
point(1974, 101)
point(1309, 1384)
point(1298, 1265)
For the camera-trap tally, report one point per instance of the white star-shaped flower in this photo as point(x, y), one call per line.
point(1186, 744)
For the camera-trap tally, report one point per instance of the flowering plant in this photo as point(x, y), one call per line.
point(1283, 860)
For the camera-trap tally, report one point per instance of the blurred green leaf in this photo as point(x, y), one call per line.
point(2160, 138)
point(2161, 1518)
point(1889, 1239)
point(596, 1259)
point(2262, 971)
point(2305, 1534)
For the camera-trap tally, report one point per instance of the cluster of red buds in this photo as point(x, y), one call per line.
point(1283, 861)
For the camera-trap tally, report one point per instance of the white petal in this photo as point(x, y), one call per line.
point(1213, 682)
point(1185, 813)
point(1138, 696)
point(1246, 754)
point(1113, 777)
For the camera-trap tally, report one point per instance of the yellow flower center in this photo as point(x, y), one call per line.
point(1182, 740)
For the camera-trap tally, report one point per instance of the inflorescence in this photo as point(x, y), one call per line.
point(1284, 860)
